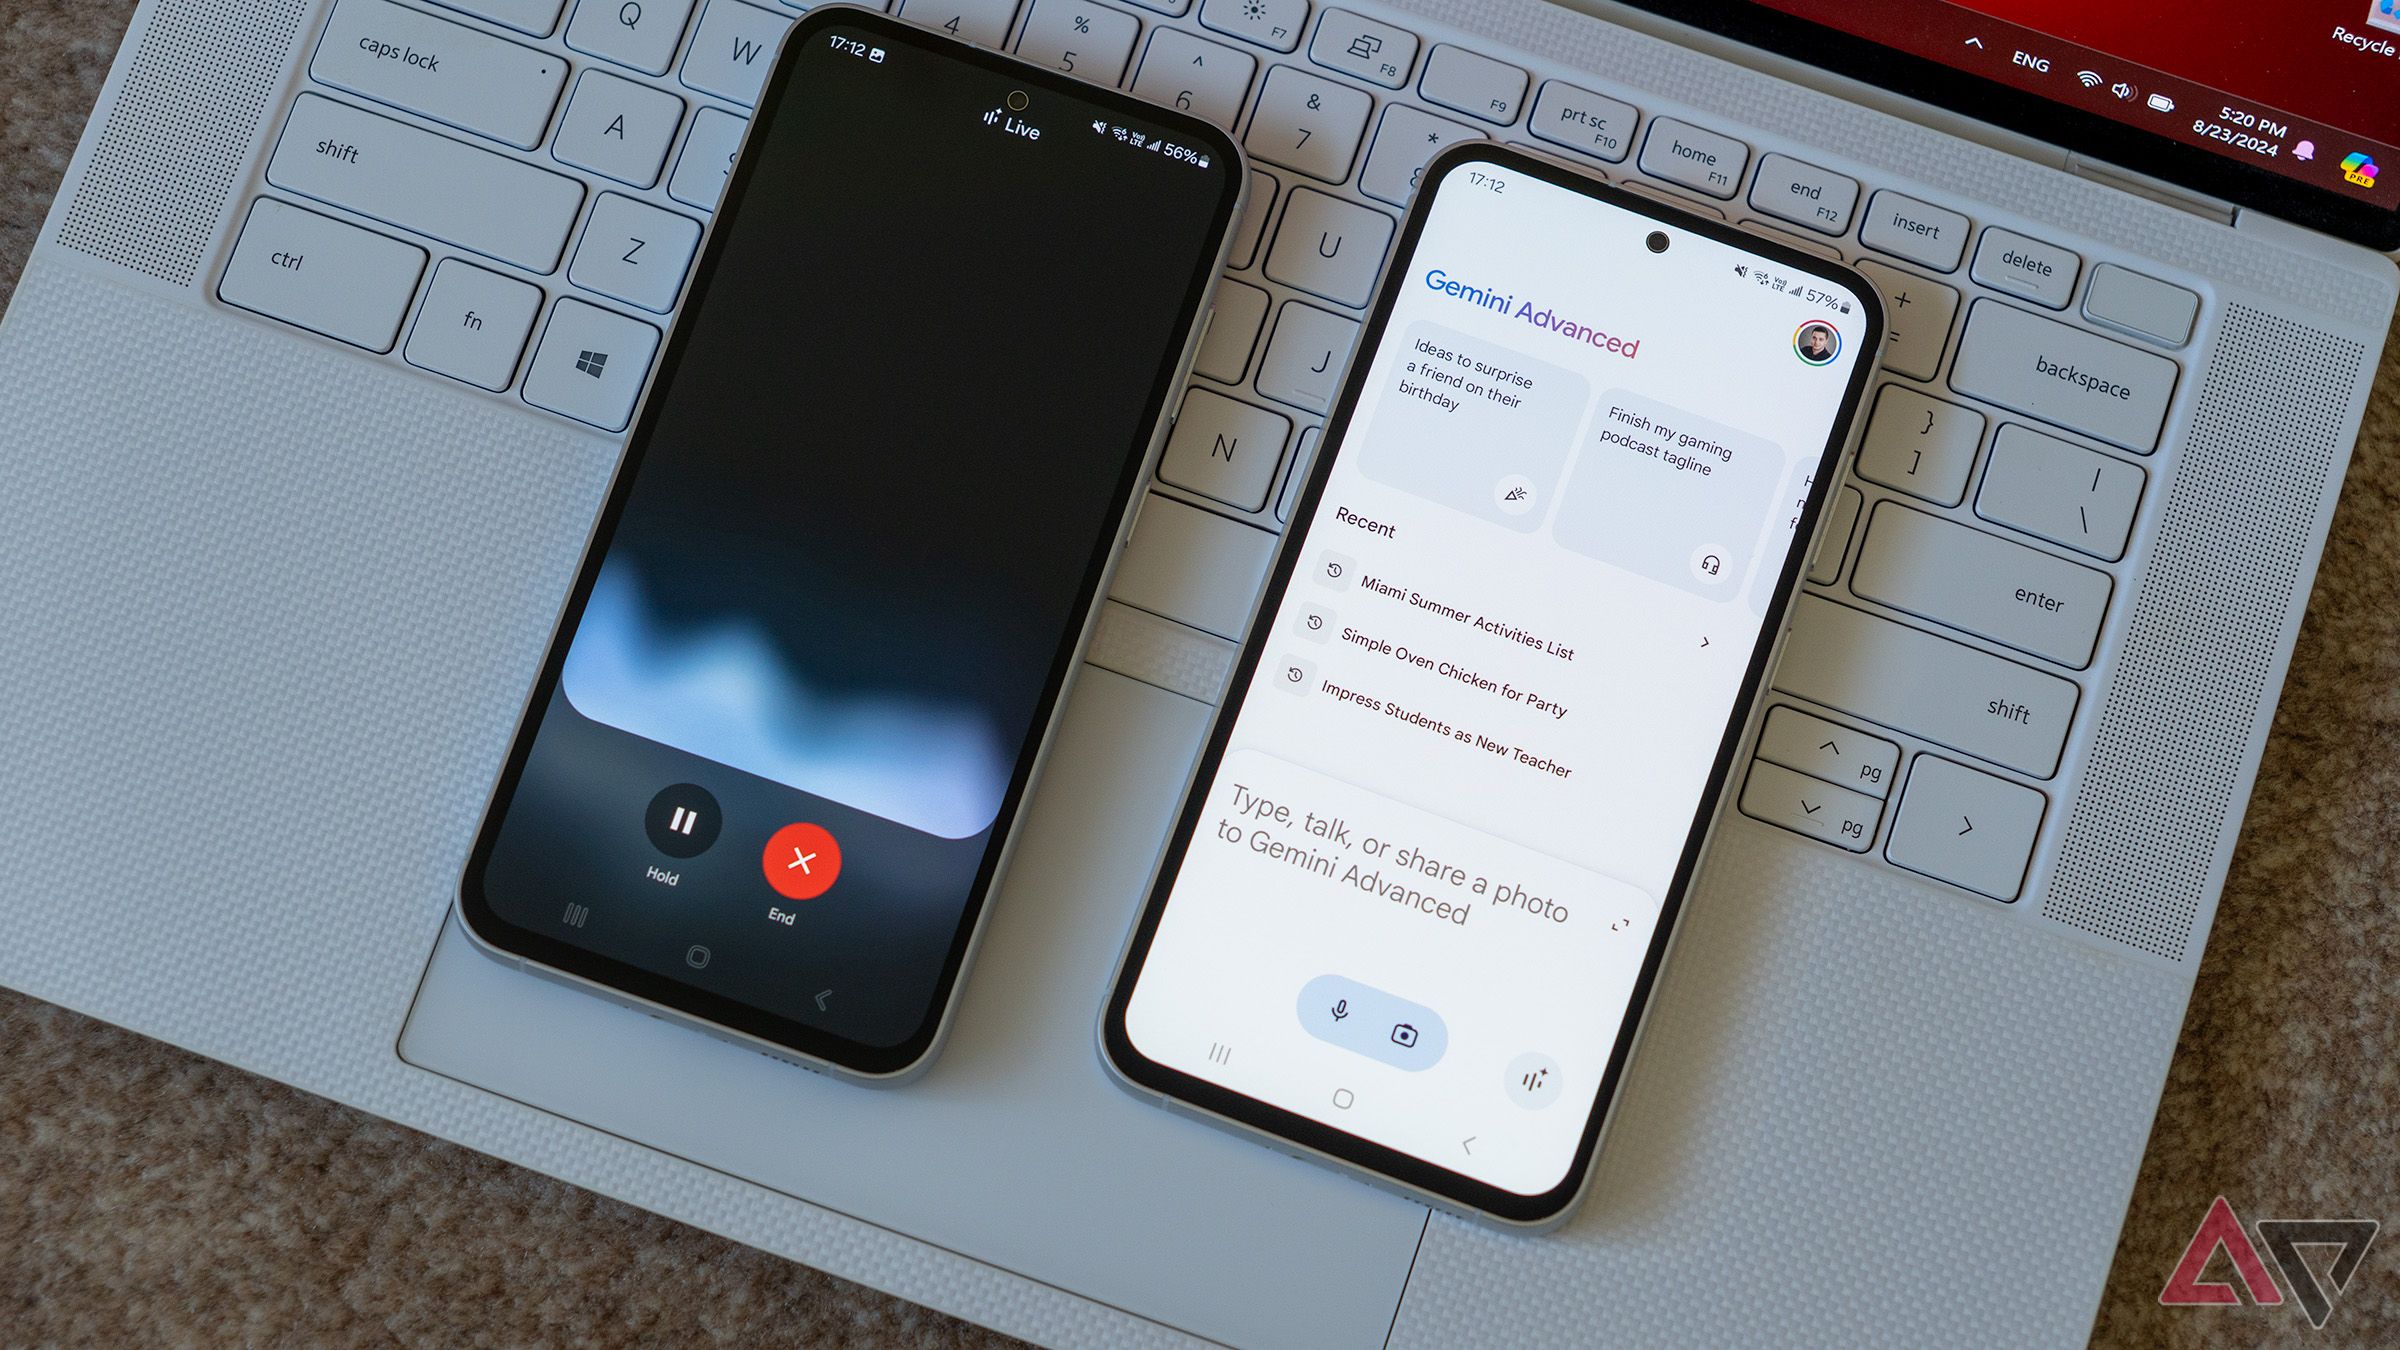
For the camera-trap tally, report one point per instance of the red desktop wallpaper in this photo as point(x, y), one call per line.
point(2305, 88)
point(2279, 52)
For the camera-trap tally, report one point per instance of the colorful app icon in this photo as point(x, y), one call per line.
point(2384, 14)
point(2359, 168)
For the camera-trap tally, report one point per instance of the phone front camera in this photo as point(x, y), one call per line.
point(1658, 241)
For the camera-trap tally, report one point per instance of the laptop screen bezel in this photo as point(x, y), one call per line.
point(2086, 133)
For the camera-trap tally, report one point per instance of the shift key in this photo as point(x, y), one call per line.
point(2064, 375)
point(432, 184)
point(1944, 691)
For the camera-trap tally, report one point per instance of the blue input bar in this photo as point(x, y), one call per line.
point(1363, 1019)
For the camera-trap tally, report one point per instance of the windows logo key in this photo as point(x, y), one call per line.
point(2359, 168)
point(592, 363)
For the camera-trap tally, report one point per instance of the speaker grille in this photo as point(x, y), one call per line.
point(2207, 628)
point(179, 133)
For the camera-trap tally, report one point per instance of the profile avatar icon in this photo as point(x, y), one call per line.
point(1817, 343)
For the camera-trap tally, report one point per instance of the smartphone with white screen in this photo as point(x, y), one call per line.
point(1432, 852)
point(771, 767)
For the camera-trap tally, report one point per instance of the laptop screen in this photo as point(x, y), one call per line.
point(2235, 98)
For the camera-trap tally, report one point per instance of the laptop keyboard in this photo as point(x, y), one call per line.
point(509, 194)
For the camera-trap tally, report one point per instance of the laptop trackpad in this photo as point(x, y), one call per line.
point(1015, 1148)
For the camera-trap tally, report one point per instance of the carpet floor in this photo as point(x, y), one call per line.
point(148, 1196)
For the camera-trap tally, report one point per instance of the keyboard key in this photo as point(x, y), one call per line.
point(635, 252)
point(1255, 213)
point(1308, 124)
point(1092, 41)
point(538, 17)
point(983, 21)
point(591, 364)
point(707, 159)
point(1982, 584)
point(1404, 140)
point(1224, 449)
point(1165, 6)
point(2141, 306)
point(1269, 23)
point(1790, 239)
point(2060, 492)
point(733, 50)
point(1193, 566)
point(618, 128)
point(1811, 806)
point(1579, 119)
point(1201, 77)
point(2027, 268)
point(2063, 375)
point(473, 324)
point(1232, 332)
point(1675, 199)
point(1473, 84)
point(1833, 547)
point(1328, 247)
point(1829, 750)
point(322, 274)
point(1804, 194)
point(641, 34)
point(1305, 359)
point(1917, 231)
point(429, 183)
point(1703, 161)
point(1920, 445)
point(1357, 45)
point(442, 70)
point(1966, 827)
point(1900, 677)
point(1916, 319)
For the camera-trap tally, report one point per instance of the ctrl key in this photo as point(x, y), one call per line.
point(591, 364)
point(1810, 806)
point(322, 274)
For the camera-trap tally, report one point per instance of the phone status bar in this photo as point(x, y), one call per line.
point(1138, 139)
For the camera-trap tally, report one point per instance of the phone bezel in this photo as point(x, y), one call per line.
point(581, 966)
point(1416, 1176)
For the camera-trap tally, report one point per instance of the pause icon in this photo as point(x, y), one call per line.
point(683, 820)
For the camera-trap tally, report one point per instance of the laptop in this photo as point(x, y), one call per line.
point(279, 568)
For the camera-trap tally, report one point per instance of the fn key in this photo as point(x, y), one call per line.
point(591, 364)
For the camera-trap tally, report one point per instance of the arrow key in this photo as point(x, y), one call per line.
point(1828, 750)
point(1808, 806)
point(1966, 827)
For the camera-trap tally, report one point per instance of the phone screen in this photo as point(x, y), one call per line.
point(821, 629)
point(1432, 848)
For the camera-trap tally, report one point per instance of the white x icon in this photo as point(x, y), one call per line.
point(801, 861)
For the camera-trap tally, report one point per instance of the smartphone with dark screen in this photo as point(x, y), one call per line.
point(768, 774)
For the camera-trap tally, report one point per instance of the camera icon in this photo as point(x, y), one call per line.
point(1404, 1035)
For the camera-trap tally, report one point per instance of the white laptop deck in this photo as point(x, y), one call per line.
point(285, 650)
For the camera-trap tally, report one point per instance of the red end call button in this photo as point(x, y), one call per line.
point(801, 861)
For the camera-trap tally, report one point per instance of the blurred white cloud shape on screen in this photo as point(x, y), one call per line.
point(723, 692)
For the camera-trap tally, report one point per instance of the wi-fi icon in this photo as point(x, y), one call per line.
point(2090, 78)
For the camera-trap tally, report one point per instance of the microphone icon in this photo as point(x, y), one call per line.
point(1341, 1009)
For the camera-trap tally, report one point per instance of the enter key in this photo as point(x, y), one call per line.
point(1982, 584)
